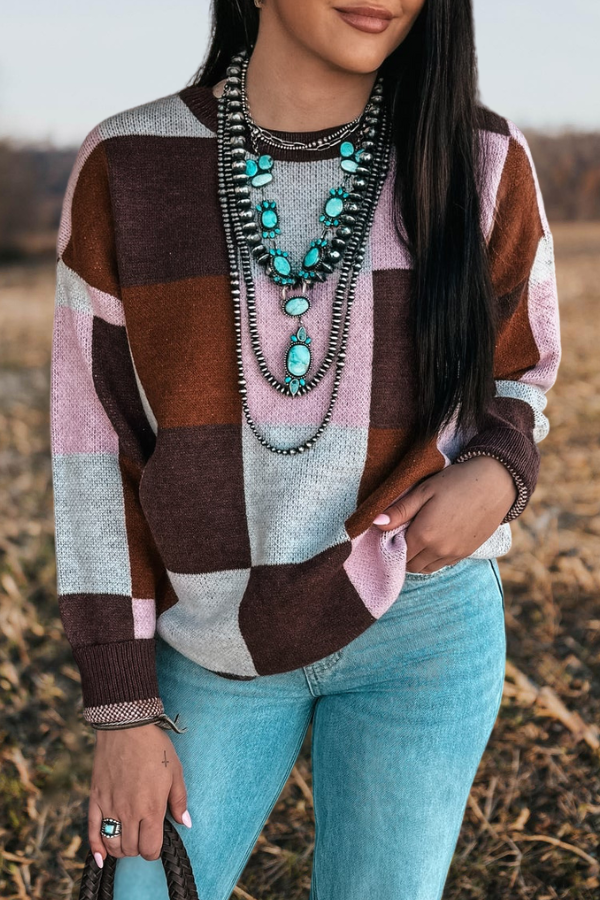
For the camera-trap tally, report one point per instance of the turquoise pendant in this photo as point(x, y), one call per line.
point(296, 306)
point(269, 218)
point(298, 358)
point(281, 265)
point(334, 207)
point(312, 257)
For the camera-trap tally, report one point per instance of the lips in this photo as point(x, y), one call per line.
point(372, 19)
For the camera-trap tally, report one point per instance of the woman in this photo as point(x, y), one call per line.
point(326, 202)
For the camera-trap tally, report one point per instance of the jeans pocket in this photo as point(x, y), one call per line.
point(424, 576)
point(414, 578)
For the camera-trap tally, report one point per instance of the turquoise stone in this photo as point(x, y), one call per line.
point(265, 161)
point(251, 168)
point(347, 148)
point(269, 218)
point(298, 359)
point(294, 385)
point(301, 333)
point(348, 165)
point(295, 306)
point(281, 265)
point(334, 206)
point(312, 257)
point(262, 179)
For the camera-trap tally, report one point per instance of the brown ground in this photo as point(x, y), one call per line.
point(532, 825)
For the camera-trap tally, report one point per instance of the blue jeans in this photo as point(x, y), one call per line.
point(400, 719)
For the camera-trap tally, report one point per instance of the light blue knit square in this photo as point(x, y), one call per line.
point(91, 538)
point(296, 505)
point(203, 624)
point(166, 116)
point(71, 289)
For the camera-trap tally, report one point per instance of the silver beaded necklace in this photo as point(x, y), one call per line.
point(236, 204)
point(257, 132)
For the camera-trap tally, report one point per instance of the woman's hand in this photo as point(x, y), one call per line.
point(136, 773)
point(453, 512)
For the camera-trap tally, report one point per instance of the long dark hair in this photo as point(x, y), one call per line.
point(431, 93)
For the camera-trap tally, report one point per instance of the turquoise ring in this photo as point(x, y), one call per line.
point(110, 828)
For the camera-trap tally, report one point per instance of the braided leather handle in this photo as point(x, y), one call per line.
point(98, 884)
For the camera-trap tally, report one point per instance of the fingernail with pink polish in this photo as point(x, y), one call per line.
point(382, 519)
point(186, 819)
point(99, 860)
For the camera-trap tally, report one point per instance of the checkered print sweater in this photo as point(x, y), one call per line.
point(171, 517)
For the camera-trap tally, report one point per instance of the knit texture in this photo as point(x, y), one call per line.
point(171, 517)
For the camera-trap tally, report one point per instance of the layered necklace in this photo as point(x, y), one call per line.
point(250, 227)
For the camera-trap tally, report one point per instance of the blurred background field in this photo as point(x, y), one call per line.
point(532, 827)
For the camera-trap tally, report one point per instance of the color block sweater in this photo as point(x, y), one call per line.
point(171, 517)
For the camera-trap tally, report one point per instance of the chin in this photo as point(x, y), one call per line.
point(359, 61)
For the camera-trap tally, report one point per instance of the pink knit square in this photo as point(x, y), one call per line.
point(79, 422)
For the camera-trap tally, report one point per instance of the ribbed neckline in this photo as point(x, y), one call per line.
point(204, 105)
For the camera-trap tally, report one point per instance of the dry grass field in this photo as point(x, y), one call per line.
point(532, 826)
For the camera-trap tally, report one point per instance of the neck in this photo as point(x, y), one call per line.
point(290, 89)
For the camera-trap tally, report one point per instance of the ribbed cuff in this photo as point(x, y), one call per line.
point(116, 673)
point(519, 455)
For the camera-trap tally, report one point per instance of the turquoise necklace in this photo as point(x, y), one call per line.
point(244, 240)
point(341, 214)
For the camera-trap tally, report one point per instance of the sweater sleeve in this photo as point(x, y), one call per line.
point(108, 569)
point(528, 350)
